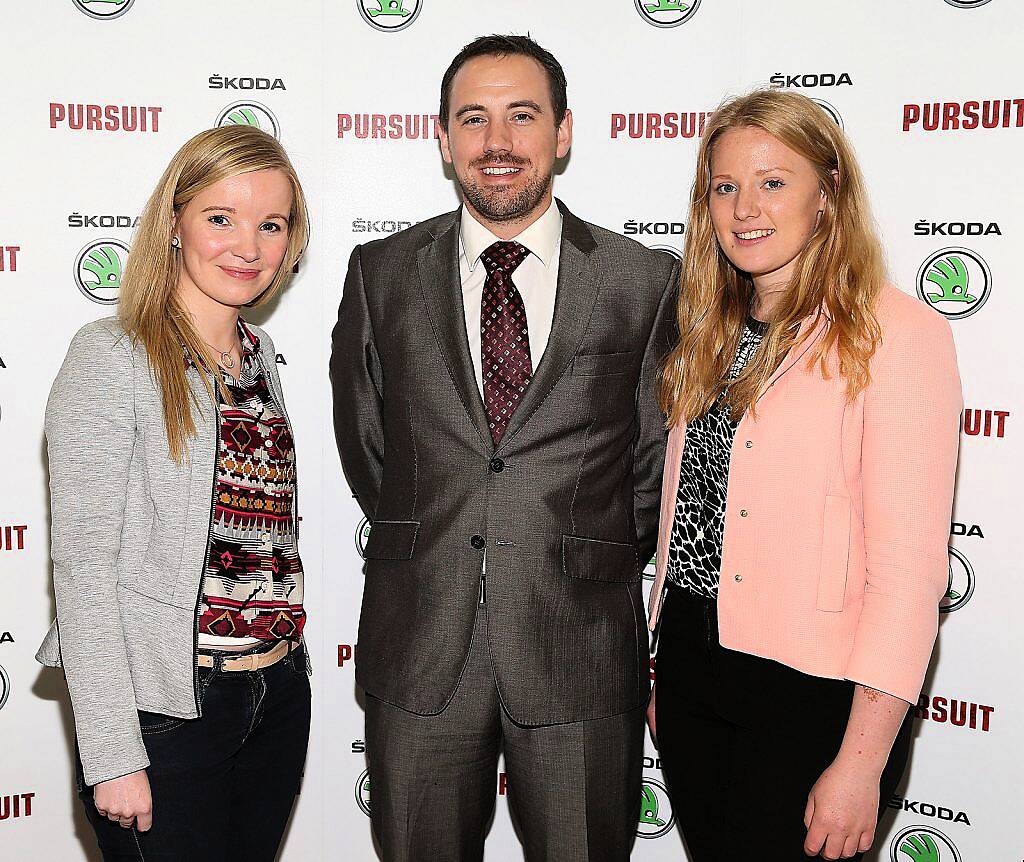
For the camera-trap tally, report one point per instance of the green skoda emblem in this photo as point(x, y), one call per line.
point(250, 114)
point(956, 282)
point(362, 537)
point(98, 270)
point(656, 817)
point(103, 9)
point(960, 586)
point(922, 844)
point(389, 15)
point(666, 13)
point(363, 792)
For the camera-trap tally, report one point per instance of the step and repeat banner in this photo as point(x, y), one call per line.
point(98, 94)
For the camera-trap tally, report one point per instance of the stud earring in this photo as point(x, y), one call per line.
point(175, 242)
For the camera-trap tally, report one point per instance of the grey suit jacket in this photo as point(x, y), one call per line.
point(566, 505)
point(128, 538)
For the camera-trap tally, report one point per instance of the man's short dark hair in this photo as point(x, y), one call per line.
point(504, 46)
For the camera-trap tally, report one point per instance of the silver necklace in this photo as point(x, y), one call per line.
point(226, 359)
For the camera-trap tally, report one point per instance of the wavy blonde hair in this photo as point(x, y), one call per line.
point(150, 310)
point(839, 272)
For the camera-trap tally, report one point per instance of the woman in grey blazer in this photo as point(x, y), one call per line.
point(174, 525)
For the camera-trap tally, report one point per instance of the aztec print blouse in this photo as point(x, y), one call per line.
point(252, 585)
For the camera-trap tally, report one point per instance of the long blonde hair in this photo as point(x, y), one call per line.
point(839, 272)
point(150, 309)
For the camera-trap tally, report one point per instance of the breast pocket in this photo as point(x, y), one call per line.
point(603, 364)
point(835, 554)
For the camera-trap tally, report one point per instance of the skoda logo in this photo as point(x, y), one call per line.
point(389, 15)
point(922, 844)
point(250, 114)
point(649, 569)
point(5, 687)
point(656, 817)
point(98, 270)
point(672, 250)
point(955, 282)
point(831, 111)
point(103, 9)
point(666, 13)
point(961, 583)
point(362, 537)
point(363, 792)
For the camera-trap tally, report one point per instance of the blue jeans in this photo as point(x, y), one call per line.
point(223, 784)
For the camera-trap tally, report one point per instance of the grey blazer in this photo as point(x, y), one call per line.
point(565, 507)
point(128, 535)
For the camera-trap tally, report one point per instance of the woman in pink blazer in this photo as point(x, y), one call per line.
point(806, 502)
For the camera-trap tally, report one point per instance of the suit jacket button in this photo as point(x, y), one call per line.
point(496, 465)
point(738, 578)
point(478, 542)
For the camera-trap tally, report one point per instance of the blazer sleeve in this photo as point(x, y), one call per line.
point(649, 445)
point(90, 438)
point(911, 434)
point(358, 386)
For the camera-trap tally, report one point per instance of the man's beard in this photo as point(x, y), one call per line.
point(504, 204)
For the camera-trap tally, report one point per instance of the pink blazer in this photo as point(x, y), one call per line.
point(837, 514)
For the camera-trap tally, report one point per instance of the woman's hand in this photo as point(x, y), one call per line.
point(126, 800)
point(842, 811)
point(650, 718)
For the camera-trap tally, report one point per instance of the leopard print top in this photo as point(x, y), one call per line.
point(695, 549)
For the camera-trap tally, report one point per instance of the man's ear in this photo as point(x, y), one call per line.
point(564, 135)
point(446, 149)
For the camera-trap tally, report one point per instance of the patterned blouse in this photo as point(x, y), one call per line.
point(695, 549)
point(253, 576)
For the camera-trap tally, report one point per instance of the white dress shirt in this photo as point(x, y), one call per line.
point(536, 279)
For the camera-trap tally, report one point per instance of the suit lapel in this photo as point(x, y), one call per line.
point(578, 286)
point(438, 265)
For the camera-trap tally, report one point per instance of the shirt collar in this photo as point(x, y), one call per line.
point(541, 238)
point(249, 340)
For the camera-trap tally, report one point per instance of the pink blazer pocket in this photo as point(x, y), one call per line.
point(835, 554)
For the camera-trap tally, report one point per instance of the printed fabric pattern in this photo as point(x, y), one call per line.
point(695, 549)
point(253, 576)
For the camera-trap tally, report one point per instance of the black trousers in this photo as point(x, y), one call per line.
point(224, 784)
point(743, 739)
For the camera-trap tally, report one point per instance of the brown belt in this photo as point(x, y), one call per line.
point(249, 661)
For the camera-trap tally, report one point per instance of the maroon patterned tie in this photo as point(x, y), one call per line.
point(504, 339)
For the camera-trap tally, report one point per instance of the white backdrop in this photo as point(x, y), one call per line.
point(98, 94)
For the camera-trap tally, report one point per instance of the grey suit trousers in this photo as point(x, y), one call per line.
point(573, 789)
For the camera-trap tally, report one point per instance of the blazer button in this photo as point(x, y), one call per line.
point(478, 542)
point(743, 513)
point(496, 465)
point(749, 444)
point(738, 578)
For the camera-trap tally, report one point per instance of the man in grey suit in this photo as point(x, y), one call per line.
point(494, 372)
